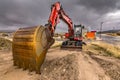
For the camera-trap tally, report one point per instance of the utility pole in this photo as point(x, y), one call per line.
point(101, 28)
point(113, 28)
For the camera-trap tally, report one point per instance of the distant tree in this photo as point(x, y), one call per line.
point(118, 33)
point(4, 34)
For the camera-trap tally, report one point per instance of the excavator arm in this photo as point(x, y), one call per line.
point(57, 13)
point(54, 16)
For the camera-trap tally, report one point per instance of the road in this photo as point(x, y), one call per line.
point(115, 40)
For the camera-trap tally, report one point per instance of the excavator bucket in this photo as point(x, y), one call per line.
point(30, 46)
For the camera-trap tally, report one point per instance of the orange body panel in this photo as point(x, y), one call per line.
point(91, 35)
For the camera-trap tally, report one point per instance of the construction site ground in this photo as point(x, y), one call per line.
point(64, 65)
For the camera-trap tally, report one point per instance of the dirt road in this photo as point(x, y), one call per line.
point(64, 65)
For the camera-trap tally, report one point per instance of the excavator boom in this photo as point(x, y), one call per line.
point(57, 13)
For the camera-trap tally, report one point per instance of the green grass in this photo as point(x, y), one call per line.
point(5, 44)
point(56, 44)
point(103, 48)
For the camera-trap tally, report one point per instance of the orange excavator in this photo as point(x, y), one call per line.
point(31, 44)
point(74, 35)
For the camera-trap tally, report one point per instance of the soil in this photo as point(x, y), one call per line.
point(110, 65)
point(64, 65)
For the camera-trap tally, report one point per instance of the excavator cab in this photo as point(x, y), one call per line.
point(75, 41)
point(78, 32)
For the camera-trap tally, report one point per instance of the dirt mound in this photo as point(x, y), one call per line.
point(64, 68)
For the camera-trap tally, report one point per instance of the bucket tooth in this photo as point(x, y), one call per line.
point(30, 67)
point(24, 65)
point(19, 64)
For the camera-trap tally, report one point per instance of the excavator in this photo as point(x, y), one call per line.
point(30, 44)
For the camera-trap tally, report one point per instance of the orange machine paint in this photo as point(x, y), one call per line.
point(91, 35)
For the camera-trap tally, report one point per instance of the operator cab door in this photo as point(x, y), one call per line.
point(77, 32)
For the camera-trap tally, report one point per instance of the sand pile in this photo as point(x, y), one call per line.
point(65, 68)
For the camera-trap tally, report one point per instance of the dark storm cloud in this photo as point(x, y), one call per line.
point(20, 13)
point(27, 12)
point(100, 6)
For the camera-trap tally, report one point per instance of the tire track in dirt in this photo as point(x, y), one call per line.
point(111, 65)
point(90, 69)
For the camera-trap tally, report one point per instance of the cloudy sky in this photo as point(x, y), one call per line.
point(24, 13)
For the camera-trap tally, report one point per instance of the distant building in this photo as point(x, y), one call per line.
point(91, 35)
